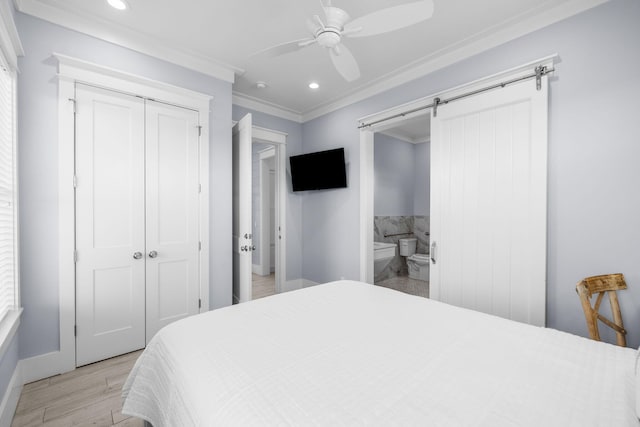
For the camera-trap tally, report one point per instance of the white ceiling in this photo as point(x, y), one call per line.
point(219, 37)
point(415, 130)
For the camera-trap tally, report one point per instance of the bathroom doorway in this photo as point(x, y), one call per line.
point(264, 224)
point(401, 193)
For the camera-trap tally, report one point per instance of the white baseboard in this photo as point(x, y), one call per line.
point(11, 397)
point(44, 366)
point(261, 270)
point(306, 283)
point(292, 285)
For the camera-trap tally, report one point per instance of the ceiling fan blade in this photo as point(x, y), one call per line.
point(314, 25)
point(390, 19)
point(344, 62)
point(284, 48)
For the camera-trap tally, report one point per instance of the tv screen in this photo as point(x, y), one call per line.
point(318, 171)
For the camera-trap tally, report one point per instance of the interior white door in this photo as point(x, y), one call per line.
point(110, 222)
point(242, 239)
point(172, 197)
point(489, 202)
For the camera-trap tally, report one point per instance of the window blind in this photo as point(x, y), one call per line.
point(8, 226)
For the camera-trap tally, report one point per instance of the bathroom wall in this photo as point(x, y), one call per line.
point(401, 197)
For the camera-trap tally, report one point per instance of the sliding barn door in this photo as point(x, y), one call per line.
point(172, 215)
point(488, 202)
point(110, 223)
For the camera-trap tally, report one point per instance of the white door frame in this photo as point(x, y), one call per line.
point(279, 141)
point(70, 71)
point(264, 266)
point(366, 148)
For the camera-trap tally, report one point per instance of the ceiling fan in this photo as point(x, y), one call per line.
point(338, 24)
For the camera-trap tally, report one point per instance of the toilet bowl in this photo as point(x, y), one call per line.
point(418, 265)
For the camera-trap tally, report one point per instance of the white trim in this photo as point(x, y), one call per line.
point(8, 327)
point(296, 284)
point(366, 147)
point(366, 205)
point(9, 39)
point(11, 397)
point(279, 141)
point(82, 71)
point(137, 41)
point(402, 137)
point(264, 211)
point(72, 70)
point(128, 38)
point(306, 283)
point(455, 53)
point(266, 107)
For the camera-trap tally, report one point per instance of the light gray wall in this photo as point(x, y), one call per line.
point(393, 176)
point(422, 175)
point(38, 156)
point(294, 201)
point(594, 153)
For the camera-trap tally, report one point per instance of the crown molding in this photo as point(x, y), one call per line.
point(402, 137)
point(266, 107)
point(455, 53)
point(137, 41)
point(128, 38)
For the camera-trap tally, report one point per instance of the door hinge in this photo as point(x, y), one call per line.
point(199, 130)
point(199, 303)
point(75, 181)
point(75, 256)
point(75, 330)
point(199, 188)
point(199, 246)
point(74, 104)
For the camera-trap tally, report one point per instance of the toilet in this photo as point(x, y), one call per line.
point(418, 264)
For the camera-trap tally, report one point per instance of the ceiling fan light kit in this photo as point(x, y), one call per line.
point(118, 4)
point(339, 24)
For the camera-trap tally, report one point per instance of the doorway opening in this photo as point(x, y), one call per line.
point(264, 221)
point(259, 211)
point(401, 168)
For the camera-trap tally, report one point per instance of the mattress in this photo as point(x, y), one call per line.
point(352, 354)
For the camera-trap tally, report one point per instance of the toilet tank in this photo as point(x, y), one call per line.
point(408, 246)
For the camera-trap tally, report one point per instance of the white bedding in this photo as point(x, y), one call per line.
point(348, 353)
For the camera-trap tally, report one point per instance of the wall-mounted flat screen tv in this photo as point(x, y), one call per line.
point(318, 171)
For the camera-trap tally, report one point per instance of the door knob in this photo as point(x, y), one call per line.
point(153, 254)
point(137, 255)
point(433, 251)
point(253, 248)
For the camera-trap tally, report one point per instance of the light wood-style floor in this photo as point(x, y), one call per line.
point(88, 396)
point(407, 285)
point(91, 395)
point(263, 286)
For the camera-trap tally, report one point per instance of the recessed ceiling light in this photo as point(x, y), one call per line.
point(118, 4)
point(314, 85)
point(261, 85)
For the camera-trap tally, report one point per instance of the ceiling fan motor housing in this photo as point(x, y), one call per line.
point(328, 38)
point(336, 18)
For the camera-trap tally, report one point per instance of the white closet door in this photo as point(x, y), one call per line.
point(489, 202)
point(110, 287)
point(172, 193)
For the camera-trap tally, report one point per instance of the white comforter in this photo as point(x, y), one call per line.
point(348, 353)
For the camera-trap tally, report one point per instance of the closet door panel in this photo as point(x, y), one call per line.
point(110, 287)
point(172, 196)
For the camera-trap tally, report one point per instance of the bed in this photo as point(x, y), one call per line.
point(352, 354)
